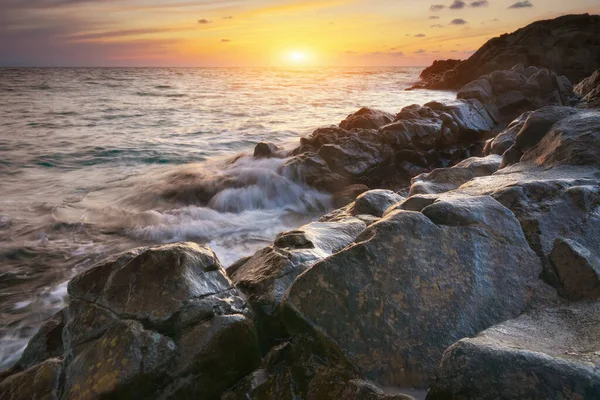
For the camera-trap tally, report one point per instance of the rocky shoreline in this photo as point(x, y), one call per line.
point(464, 258)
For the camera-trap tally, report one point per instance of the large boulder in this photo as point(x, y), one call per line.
point(265, 277)
point(366, 118)
point(159, 322)
point(375, 202)
point(393, 305)
point(536, 126)
point(568, 45)
point(549, 354)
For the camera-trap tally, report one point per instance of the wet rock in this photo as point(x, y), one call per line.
point(46, 344)
point(366, 118)
point(421, 133)
point(549, 354)
point(265, 277)
point(310, 168)
point(156, 322)
point(393, 305)
point(37, 382)
point(471, 117)
point(506, 80)
point(375, 202)
point(568, 45)
point(445, 179)
point(267, 150)
point(577, 268)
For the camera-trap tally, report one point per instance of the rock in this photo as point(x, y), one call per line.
point(158, 322)
point(549, 354)
point(589, 90)
point(573, 140)
point(348, 194)
point(479, 89)
point(471, 117)
point(535, 128)
point(445, 179)
point(577, 268)
point(366, 118)
point(45, 344)
point(354, 157)
point(568, 45)
point(266, 275)
point(421, 133)
point(513, 102)
point(37, 382)
point(310, 168)
point(506, 80)
point(394, 306)
point(505, 139)
point(375, 202)
point(439, 68)
point(267, 150)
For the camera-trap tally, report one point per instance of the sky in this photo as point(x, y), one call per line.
point(244, 33)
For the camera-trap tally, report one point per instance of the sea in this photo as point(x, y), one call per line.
point(95, 161)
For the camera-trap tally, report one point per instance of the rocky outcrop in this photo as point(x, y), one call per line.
point(160, 322)
point(505, 139)
point(393, 306)
point(550, 354)
point(366, 118)
point(437, 70)
point(568, 45)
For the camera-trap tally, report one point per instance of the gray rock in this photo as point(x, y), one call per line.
point(535, 128)
point(265, 277)
point(505, 139)
point(506, 80)
point(45, 344)
point(479, 89)
point(366, 118)
point(549, 354)
point(445, 179)
point(577, 268)
point(375, 202)
point(393, 305)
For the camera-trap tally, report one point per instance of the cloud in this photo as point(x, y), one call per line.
point(458, 21)
point(437, 7)
point(479, 3)
point(420, 51)
point(420, 35)
point(457, 5)
point(434, 17)
point(437, 26)
point(385, 54)
point(229, 17)
point(225, 40)
point(204, 21)
point(522, 4)
point(84, 37)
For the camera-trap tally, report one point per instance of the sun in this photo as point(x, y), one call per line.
point(297, 57)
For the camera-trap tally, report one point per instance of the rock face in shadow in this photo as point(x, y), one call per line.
point(568, 45)
point(159, 322)
point(550, 354)
point(505, 139)
point(41, 381)
point(393, 306)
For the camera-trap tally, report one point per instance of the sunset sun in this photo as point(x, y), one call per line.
point(297, 57)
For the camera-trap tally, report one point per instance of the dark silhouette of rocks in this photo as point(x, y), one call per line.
point(568, 45)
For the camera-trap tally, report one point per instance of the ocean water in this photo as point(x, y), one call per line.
point(97, 161)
